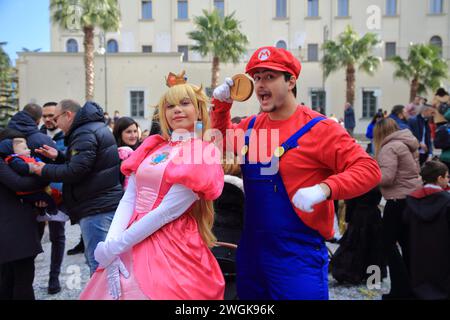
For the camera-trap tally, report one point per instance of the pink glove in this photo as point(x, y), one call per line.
point(125, 152)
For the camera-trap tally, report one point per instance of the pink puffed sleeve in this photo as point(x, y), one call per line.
point(198, 167)
point(131, 164)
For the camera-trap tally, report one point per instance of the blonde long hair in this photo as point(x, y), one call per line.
point(176, 94)
point(382, 129)
point(203, 210)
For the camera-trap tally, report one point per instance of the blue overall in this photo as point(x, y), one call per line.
point(278, 257)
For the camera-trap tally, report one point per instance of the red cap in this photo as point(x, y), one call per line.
point(274, 58)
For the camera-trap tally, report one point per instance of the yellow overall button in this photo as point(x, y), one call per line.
point(278, 152)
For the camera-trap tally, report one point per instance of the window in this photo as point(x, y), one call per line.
point(313, 8)
point(391, 7)
point(391, 50)
point(436, 6)
point(137, 103)
point(112, 46)
point(72, 45)
point(313, 52)
point(437, 42)
point(182, 9)
point(147, 49)
point(147, 10)
point(318, 100)
point(369, 103)
point(220, 6)
point(343, 8)
point(281, 9)
point(281, 44)
point(185, 51)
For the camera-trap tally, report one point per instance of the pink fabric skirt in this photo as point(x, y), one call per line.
point(97, 287)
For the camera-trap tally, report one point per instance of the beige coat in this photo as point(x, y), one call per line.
point(399, 163)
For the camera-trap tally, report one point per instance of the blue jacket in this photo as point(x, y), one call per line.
point(349, 118)
point(60, 145)
point(403, 124)
point(25, 124)
point(90, 169)
point(417, 124)
point(58, 139)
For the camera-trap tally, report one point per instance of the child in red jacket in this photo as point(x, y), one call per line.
point(17, 155)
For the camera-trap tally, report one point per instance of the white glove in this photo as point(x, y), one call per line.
point(222, 92)
point(103, 256)
point(124, 211)
point(174, 204)
point(305, 198)
point(120, 222)
point(113, 272)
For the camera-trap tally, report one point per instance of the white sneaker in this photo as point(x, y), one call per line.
point(59, 217)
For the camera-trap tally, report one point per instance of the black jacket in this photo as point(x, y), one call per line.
point(361, 244)
point(19, 237)
point(417, 124)
point(427, 215)
point(91, 169)
point(23, 123)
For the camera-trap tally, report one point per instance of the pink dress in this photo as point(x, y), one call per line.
point(174, 262)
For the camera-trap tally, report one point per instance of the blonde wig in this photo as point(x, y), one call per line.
point(203, 210)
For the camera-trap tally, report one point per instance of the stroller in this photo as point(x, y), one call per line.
point(228, 224)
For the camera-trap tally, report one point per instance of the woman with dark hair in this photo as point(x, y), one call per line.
point(369, 132)
point(126, 133)
point(19, 239)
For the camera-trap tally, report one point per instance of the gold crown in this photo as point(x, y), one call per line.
point(173, 79)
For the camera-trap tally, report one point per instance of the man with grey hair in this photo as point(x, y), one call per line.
point(421, 130)
point(89, 171)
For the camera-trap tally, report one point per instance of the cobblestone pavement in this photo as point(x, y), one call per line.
point(75, 274)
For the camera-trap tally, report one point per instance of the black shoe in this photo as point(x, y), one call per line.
point(79, 248)
point(53, 285)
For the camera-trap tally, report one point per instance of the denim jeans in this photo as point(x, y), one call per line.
point(94, 229)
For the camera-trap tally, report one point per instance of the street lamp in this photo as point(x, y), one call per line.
point(102, 51)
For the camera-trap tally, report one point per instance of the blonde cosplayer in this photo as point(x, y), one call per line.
point(203, 210)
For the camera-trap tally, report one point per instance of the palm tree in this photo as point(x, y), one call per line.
point(5, 64)
point(86, 15)
point(219, 36)
point(424, 69)
point(349, 52)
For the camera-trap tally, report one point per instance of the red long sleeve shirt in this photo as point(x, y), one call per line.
point(327, 153)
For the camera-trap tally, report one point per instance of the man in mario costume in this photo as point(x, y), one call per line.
point(288, 211)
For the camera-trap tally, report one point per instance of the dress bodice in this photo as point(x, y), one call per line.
point(149, 177)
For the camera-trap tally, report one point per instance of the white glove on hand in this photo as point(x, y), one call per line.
point(113, 272)
point(222, 92)
point(177, 200)
point(102, 255)
point(305, 198)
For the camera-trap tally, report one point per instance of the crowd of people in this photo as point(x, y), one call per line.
point(402, 144)
point(158, 223)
